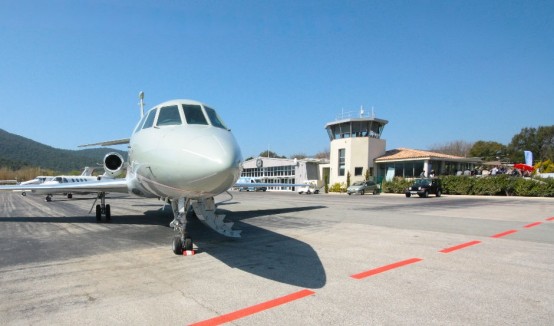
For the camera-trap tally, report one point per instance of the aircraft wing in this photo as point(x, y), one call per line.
point(260, 185)
point(109, 143)
point(111, 185)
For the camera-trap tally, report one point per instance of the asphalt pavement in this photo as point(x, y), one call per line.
point(302, 260)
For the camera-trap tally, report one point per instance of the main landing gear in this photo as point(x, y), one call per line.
point(102, 208)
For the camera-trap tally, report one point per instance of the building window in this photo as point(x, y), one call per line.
point(342, 162)
point(358, 171)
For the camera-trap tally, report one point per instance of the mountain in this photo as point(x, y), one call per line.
point(17, 151)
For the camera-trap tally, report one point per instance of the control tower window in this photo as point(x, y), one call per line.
point(194, 114)
point(169, 115)
point(342, 161)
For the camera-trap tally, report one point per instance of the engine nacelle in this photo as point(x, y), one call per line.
point(114, 164)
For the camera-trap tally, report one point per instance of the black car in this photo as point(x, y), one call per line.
point(425, 186)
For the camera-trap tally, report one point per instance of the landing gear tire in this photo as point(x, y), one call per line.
point(178, 245)
point(108, 213)
point(188, 243)
point(102, 208)
point(98, 213)
point(48, 198)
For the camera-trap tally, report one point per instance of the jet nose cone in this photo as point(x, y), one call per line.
point(186, 161)
point(213, 161)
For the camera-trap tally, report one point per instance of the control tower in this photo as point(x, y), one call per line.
point(355, 143)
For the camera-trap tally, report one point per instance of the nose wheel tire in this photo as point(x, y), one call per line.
point(188, 243)
point(177, 245)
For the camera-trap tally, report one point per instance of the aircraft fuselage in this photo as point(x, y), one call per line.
point(182, 159)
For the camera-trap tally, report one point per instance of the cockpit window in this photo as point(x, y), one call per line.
point(169, 115)
point(150, 119)
point(214, 118)
point(139, 125)
point(194, 114)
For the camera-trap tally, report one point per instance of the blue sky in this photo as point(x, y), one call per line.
point(278, 71)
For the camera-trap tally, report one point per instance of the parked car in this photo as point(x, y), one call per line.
point(361, 187)
point(425, 186)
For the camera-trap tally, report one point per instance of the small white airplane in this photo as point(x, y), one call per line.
point(86, 176)
point(181, 152)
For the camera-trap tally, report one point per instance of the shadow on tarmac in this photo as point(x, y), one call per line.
point(262, 252)
point(259, 251)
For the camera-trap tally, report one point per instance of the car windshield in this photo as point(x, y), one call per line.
point(422, 182)
point(359, 183)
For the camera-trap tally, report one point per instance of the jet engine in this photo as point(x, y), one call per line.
point(114, 164)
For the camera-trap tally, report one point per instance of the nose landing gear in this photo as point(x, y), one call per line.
point(182, 242)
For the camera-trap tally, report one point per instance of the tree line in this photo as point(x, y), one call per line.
point(538, 140)
point(21, 157)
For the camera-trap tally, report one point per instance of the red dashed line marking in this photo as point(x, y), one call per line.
point(385, 268)
point(503, 234)
point(254, 309)
point(304, 293)
point(458, 247)
point(532, 225)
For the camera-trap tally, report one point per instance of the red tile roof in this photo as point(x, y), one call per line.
point(406, 153)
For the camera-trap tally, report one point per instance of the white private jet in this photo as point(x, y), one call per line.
point(86, 176)
point(181, 152)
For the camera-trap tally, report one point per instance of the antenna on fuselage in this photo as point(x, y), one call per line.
point(141, 103)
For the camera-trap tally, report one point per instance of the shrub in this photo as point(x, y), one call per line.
point(337, 187)
point(396, 186)
point(545, 166)
point(458, 185)
point(500, 185)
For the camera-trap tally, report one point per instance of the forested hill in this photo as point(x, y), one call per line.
point(17, 152)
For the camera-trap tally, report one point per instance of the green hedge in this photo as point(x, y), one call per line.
point(501, 185)
point(397, 186)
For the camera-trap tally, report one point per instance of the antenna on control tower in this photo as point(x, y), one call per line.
point(141, 103)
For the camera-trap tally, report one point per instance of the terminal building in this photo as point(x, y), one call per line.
point(358, 152)
point(282, 170)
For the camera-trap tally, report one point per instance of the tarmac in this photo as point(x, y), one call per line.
point(302, 260)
